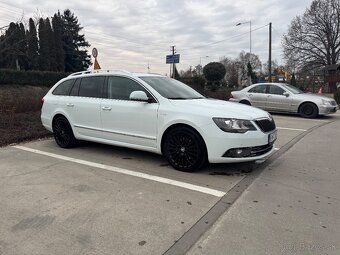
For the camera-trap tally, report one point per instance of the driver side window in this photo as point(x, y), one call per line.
point(121, 88)
point(276, 90)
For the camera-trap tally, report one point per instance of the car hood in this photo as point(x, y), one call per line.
point(219, 108)
point(312, 97)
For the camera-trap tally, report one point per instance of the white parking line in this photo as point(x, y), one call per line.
point(294, 129)
point(276, 149)
point(213, 192)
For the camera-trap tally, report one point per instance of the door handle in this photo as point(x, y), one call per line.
point(250, 95)
point(70, 104)
point(106, 108)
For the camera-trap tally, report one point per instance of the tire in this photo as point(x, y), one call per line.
point(245, 102)
point(185, 149)
point(63, 134)
point(309, 110)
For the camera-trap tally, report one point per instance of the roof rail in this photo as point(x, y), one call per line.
point(100, 71)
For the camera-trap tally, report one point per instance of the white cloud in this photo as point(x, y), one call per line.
point(129, 34)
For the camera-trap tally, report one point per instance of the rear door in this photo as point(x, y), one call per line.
point(83, 106)
point(126, 121)
point(257, 96)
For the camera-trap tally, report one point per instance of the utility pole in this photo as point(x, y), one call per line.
point(270, 53)
point(173, 65)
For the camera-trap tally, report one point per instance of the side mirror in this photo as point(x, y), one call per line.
point(139, 96)
point(286, 94)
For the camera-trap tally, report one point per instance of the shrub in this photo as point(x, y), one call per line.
point(337, 96)
point(35, 78)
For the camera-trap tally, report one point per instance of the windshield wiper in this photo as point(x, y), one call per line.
point(177, 98)
point(184, 98)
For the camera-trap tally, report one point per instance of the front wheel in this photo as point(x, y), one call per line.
point(63, 133)
point(309, 110)
point(185, 149)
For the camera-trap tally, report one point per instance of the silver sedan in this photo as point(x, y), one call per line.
point(281, 97)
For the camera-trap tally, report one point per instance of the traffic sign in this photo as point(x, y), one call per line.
point(172, 59)
point(94, 52)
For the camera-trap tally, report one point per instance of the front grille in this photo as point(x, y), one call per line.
point(266, 125)
point(333, 103)
point(260, 150)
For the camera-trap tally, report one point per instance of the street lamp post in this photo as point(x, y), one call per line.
point(201, 62)
point(241, 23)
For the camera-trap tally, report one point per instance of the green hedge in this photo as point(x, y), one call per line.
point(34, 78)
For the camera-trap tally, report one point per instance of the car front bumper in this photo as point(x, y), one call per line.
point(326, 109)
point(223, 147)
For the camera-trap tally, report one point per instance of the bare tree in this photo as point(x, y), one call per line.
point(313, 39)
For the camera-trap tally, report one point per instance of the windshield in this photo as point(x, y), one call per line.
point(171, 89)
point(292, 89)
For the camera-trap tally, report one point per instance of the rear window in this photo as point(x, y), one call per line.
point(63, 88)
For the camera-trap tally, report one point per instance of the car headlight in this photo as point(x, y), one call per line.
point(234, 125)
point(325, 102)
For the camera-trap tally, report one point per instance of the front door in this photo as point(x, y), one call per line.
point(277, 101)
point(125, 121)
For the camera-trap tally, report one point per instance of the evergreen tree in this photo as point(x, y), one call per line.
point(52, 46)
point(44, 47)
point(32, 46)
point(58, 31)
point(76, 57)
point(293, 80)
point(13, 46)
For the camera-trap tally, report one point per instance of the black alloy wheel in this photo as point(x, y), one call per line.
point(185, 149)
point(309, 110)
point(63, 133)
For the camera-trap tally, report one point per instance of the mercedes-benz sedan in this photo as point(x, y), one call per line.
point(157, 114)
point(285, 98)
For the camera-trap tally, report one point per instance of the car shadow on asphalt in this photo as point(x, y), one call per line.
point(158, 161)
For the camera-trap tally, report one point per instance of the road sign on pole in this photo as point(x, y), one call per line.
point(172, 59)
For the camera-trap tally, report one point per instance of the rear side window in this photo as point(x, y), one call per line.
point(121, 88)
point(63, 88)
point(91, 86)
point(258, 89)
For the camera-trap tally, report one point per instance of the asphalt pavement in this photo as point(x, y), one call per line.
point(98, 199)
point(293, 207)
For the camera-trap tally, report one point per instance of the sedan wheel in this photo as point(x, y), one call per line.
point(185, 149)
point(309, 110)
point(63, 134)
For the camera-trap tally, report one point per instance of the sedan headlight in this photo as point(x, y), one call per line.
point(234, 125)
point(325, 102)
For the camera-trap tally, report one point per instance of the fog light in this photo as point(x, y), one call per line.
point(238, 153)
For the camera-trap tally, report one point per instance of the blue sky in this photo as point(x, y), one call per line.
point(131, 34)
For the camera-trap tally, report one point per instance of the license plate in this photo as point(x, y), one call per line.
point(272, 137)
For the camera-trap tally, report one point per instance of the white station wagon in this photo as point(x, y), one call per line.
point(155, 113)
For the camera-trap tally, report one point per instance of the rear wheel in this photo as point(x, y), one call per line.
point(185, 149)
point(308, 110)
point(63, 133)
point(245, 102)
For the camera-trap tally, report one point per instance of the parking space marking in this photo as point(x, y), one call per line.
point(276, 149)
point(213, 192)
point(293, 129)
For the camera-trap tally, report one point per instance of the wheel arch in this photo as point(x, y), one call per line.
point(176, 125)
point(306, 102)
point(245, 101)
